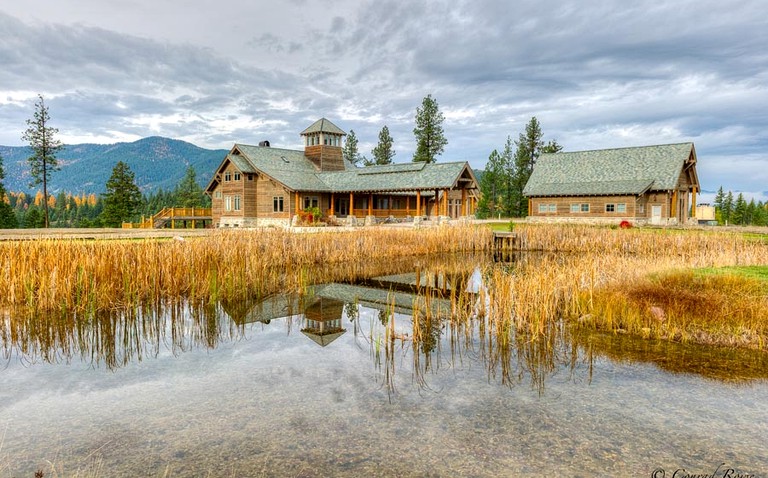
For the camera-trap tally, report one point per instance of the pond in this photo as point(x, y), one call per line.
point(337, 381)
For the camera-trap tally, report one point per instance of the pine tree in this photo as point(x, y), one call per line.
point(493, 186)
point(383, 152)
point(7, 215)
point(188, 193)
point(761, 214)
point(718, 203)
point(122, 196)
point(529, 147)
point(740, 210)
point(41, 138)
point(430, 139)
point(350, 152)
point(727, 213)
point(749, 217)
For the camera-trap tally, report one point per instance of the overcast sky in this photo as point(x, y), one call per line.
point(596, 73)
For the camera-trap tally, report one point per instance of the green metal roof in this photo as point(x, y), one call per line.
point(609, 171)
point(297, 173)
point(323, 126)
point(395, 177)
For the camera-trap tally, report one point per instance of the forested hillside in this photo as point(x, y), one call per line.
point(159, 163)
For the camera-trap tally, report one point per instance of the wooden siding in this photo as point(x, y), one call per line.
point(325, 158)
point(266, 191)
point(597, 206)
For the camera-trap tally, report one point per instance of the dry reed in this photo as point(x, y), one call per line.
point(77, 276)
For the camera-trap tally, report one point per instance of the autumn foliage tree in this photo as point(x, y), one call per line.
point(7, 216)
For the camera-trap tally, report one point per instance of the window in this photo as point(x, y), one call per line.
point(227, 176)
point(237, 175)
point(543, 207)
point(277, 204)
point(228, 203)
point(641, 208)
point(250, 177)
point(621, 207)
point(237, 203)
point(575, 207)
point(218, 194)
point(553, 208)
point(610, 208)
point(311, 201)
point(580, 207)
point(584, 207)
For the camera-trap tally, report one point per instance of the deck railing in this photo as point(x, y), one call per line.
point(171, 214)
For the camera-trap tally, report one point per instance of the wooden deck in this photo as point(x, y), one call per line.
point(505, 241)
point(173, 216)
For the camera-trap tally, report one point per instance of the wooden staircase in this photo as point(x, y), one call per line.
point(173, 215)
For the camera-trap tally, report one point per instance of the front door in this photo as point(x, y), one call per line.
point(656, 214)
point(342, 207)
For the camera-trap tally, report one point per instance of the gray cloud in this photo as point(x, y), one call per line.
point(596, 74)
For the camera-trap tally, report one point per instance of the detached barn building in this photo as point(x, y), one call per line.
point(647, 184)
point(262, 185)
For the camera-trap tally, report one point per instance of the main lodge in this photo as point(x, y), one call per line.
point(262, 185)
point(649, 184)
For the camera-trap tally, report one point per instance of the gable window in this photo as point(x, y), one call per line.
point(228, 176)
point(250, 177)
point(311, 201)
point(237, 203)
point(277, 204)
point(237, 175)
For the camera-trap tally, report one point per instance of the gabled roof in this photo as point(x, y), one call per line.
point(297, 173)
point(397, 177)
point(610, 171)
point(323, 126)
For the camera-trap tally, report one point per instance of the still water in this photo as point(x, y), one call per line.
point(310, 385)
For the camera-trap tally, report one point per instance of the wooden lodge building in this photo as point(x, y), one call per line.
point(262, 185)
point(642, 185)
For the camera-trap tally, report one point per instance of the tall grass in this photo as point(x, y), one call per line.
point(76, 276)
point(619, 280)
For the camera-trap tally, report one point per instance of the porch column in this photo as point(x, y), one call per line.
point(370, 204)
point(418, 203)
point(407, 205)
point(296, 198)
point(693, 202)
point(437, 202)
point(673, 209)
point(351, 204)
point(389, 206)
point(445, 202)
point(331, 204)
point(464, 208)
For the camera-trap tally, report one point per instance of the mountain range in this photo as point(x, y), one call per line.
point(157, 163)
